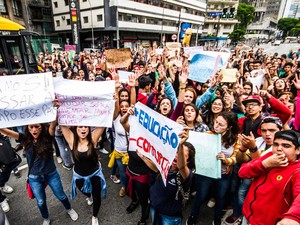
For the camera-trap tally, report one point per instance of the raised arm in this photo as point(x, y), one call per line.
point(10, 133)
point(181, 160)
point(68, 134)
point(96, 134)
point(131, 83)
point(124, 119)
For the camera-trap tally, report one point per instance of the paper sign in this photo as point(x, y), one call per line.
point(203, 67)
point(123, 76)
point(172, 48)
point(85, 103)
point(207, 147)
point(191, 51)
point(155, 136)
point(26, 99)
point(118, 58)
point(159, 51)
point(224, 57)
point(257, 82)
point(229, 75)
point(70, 47)
point(256, 73)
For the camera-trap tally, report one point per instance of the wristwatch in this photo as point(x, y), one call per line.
point(253, 149)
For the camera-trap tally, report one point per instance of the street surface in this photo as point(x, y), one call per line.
point(24, 211)
point(281, 49)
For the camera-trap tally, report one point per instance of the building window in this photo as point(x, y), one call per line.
point(128, 17)
point(55, 4)
point(47, 12)
point(99, 17)
point(227, 26)
point(84, 0)
point(3, 7)
point(66, 2)
point(17, 8)
point(68, 21)
point(57, 23)
point(85, 19)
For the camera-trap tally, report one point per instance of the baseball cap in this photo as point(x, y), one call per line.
point(289, 135)
point(98, 67)
point(271, 119)
point(252, 98)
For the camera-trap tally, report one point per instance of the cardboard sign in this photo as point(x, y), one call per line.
point(118, 58)
point(123, 76)
point(155, 136)
point(85, 103)
point(26, 99)
point(229, 75)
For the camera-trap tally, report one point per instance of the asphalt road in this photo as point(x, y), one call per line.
point(24, 211)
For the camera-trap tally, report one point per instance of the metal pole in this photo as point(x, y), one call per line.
point(117, 26)
point(196, 42)
point(179, 25)
point(218, 25)
point(93, 44)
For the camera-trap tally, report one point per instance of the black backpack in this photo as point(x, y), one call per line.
point(9, 159)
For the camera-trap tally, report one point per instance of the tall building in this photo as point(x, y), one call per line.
point(132, 23)
point(294, 9)
point(215, 24)
point(35, 15)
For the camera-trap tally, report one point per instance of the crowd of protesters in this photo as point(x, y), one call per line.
point(258, 125)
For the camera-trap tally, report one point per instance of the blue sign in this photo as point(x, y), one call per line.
point(184, 27)
point(213, 14)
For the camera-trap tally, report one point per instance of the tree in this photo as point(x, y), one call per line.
point(286, 24)
point(296, 30)
point(237, 35)
point(245, 15)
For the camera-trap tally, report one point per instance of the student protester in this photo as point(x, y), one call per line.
point(87, 172)
point(37, 141)
point(167, 201)
point(226, 125)
point(277, 173)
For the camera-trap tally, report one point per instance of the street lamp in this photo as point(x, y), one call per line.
point(93, 44)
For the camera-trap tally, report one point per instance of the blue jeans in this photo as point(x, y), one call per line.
point(243, 190)
point(64, 150)
point(37, 184)
point(4, 177)
point(122, 170)
point(166, 220)
point(203, 186)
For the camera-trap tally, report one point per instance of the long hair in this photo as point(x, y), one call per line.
point(76, 141)
point(209, 118)
point(159, 103)
point(230, 137)
point(191, 160)
point(43, 145)
point(196, 110)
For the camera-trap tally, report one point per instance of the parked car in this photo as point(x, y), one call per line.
point(277, 42)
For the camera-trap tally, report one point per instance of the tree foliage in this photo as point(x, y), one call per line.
point(287, 24)
point(245, 15)
point(296, 30)
point(237, 35)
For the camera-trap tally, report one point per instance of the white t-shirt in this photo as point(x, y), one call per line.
point(120, 140)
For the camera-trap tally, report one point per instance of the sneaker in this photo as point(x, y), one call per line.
point(7, 189)
point(66, 167)
point(115, 179)
point(17, 173)
point(95, 221)
point(4, 205)
point(89, 200)
point(59, 159)
point(132, 207)
point(104, 151)
point(211, 203)
point(233, 220)
point(191, 220)
point(46, 222)
point(73, 214)
point(122, 192)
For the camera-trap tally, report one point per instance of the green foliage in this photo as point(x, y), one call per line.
point(237, 35)
point(287, 24)
point(245, 15)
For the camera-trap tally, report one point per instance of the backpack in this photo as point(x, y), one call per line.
point(9, 159)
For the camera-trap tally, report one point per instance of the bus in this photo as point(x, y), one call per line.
point(16, 51)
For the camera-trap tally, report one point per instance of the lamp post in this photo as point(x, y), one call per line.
point(93, 44)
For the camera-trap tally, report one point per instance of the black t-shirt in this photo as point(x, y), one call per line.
point(42, 165)
point(136, 164)
point(162, 198)
point(86, 165)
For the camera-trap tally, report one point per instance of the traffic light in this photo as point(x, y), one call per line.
point(231, 14)
point(224, 15)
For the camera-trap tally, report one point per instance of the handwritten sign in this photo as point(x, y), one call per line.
point(155, 136)
point(207, 147)
point(123, 76)
point(118, 58)
point(203, 67)
point(191, 51)
point(26, 99)
point(229, 75)
point(85, 103)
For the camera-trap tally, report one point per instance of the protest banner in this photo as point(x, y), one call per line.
point(257, 82)
point(173, 47)
point(84, 103)
point(207, 147)
point(203, 67)
point(70, 47)
point(229, 75)
point(123, 76)
point(26, 99)
point(155, 136)
point(191, 51)
point(118, 58)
